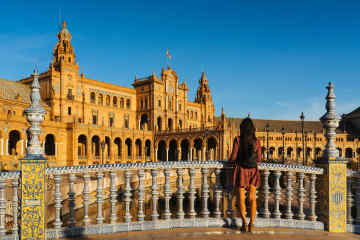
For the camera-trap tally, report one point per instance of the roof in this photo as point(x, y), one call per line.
point(353, 114)
point(15, 91)
point(276, 125)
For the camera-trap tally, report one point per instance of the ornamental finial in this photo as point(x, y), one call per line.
point(35, 115)
point(330, 122)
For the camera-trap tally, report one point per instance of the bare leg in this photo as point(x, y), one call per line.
point(242, 207)
point(252, 200)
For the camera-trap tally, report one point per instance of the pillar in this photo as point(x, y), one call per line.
point(203, 154)
point(332, 184)
point(179, 154)
point(167, 154)
point(191, 153)
point(1, 146)
point(156, 154)
point(33, 167)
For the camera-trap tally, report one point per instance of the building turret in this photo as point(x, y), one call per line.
point(63, 51)
point(203, 94)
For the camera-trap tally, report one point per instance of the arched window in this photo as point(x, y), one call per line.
point(92, 97)
point(107, 100)
point(50, 145)
point(115, 101)
point(14, 137)
point(121, 102)
point(128, 104)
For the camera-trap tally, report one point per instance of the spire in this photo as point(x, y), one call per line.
point(203, 79)
point(330, 122)
point(203, 92)
point(35, 115)
point(222, 111)
point(63, 50)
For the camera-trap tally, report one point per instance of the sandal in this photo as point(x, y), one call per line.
point(251, 228)
point(244, 228)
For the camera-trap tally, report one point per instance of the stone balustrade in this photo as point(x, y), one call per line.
point(353, 201)
point(144, 196)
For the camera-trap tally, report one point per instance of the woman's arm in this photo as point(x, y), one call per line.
point(258, 150)
point(235, 150)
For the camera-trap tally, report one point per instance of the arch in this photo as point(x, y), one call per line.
point(95, 146)
point(50, 145)
point(14, 138)
point(317, 152)
point(211, 148)
point(107, 149)
point(144, 123)
point(308, 152)
point(173, 152)
point(198, 145)
point(298, 153)
point(82, 146)
point(117, 142)
point(92, 97)
point(348, 153)
point(170, 124)
point(147, 148)
point(185, 150)
point(114, 101)
point(280, 151)
point(263, 152)
point(161, 154)
point(107, 100)
point(271, 152)
point(128, 146)
point(101, 99)
point(289, 152)
point(159, 123)
point(138, 148)
point(340, 151)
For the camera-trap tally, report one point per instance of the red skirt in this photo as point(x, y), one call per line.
point(244, 177)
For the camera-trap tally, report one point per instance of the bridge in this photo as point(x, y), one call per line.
point(65, 202)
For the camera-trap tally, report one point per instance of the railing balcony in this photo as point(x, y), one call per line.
point(70, 97)
point(353, 201)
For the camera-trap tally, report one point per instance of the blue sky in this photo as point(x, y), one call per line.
point(270, 58)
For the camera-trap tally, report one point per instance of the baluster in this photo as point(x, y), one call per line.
point(58, 199)
point(192, 192)
point(71, 195)
point(15, 184)
point(277, 213)
point(86, 198)
point(167, 194)
point(205, 193)
point(357, 195)
point(313, 192)
point(301, 196)
point(289, 214)
point(180, 193)
point(113, 196)
point(141, 215)
point(155, 195)
point(230, 211)
point(349, 200)
point(127, 194)
point(2, 207)
point(218, 192)
point(99, 197)
point(266, 192)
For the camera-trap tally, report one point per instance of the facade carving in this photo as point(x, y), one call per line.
point(93, 122)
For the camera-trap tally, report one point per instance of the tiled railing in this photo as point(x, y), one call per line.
point(84, 200)
point(353, 201)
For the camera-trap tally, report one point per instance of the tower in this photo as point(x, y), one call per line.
point(203, 97)
point(64, 75)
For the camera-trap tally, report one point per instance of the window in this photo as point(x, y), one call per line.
point(92, 97)
point(159, 103)
point(70, 92)
point(94, 119)
point(121, 102)
point(107, 100)
point(101, 99)
point(111, 121)
point(69, 110)
point(180, 107)
point(195, 115)
point(128, 103)
point(115, 101)
point(70, 95)
point(126, 121)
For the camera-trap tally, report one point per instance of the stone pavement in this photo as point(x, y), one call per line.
point(225, 234)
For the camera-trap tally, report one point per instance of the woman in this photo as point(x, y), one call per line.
point(246, 154)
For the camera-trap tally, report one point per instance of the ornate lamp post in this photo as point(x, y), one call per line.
point(302, 117)
point(283, 148)
point(267, 128)
point(33, 167)
point(102, 144)
point(306, 150)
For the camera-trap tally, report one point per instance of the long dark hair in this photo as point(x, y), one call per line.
point(247, 138)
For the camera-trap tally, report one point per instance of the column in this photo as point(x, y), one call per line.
point(21, 143)
point(156, 154)
point(7, 147)
point(191, 154)
point(167, 154)
point(332, 210)
point(203, 154)
point(179, 154)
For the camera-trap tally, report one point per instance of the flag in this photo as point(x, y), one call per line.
point(168, 54)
